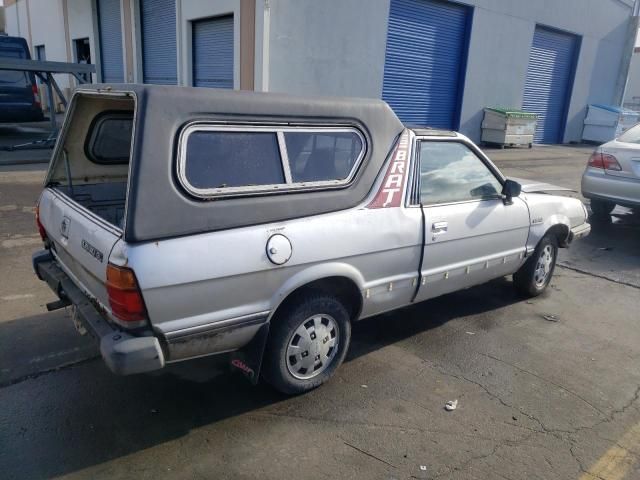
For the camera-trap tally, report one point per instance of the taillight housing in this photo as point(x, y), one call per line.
point(125, 297)
point(36, 96)
point(604, 161)
point(41, 230)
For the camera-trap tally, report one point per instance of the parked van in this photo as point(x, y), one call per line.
point(181, 222)
point(19, 98)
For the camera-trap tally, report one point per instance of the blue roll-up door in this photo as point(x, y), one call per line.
point(159, 60)
point(549, 80)
point(425, 61)
point(213, 52)
point(110, 41)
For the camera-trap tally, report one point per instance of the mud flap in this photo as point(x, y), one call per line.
point(248, 359)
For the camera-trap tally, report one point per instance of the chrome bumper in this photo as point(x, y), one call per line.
point(123, 353)
point(580, 231)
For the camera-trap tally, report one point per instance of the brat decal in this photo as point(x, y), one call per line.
point(390, 192)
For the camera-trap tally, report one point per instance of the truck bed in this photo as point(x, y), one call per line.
point(106, 200)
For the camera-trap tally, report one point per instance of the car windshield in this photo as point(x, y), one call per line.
point(11, 78)
point(631, 136)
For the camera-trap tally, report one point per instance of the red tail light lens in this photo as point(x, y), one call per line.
point(604, 161)
point(41, 230)
point(36, 96)
point(125, 298)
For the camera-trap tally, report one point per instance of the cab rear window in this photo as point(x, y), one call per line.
point(109, 138)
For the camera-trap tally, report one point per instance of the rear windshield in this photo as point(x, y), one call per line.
point(631, 136)
point(11, 78)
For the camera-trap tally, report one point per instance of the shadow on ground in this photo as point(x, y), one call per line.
point(100, 417)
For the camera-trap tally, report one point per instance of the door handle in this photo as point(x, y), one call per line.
point(439, 227)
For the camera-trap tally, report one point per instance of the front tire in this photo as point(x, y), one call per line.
point(535, 275)
point(308, 341)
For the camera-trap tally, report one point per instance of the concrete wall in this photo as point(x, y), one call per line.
point(16, 18)
point(47, 28)
point(333, 47)
point(337, 47)
point(632, 94)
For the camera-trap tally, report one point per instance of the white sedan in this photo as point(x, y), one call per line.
point(612, 176)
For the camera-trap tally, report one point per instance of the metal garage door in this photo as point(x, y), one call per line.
point(549, 80)
point(213, 52)
point(159, 61)
point(425, 61)
point(110, 41)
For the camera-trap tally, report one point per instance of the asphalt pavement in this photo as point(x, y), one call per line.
point(547, 388)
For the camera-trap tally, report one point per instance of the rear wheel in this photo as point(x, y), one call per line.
point(535, 275)
point(602, 207)
point(307, 343)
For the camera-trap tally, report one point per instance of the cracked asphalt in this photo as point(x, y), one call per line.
point(546, 388)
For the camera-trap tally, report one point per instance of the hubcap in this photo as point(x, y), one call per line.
point(543, 267)
point(312, 346)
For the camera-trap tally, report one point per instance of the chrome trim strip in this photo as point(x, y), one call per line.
point(472, 262)
point(209, 193)
point(219, 326)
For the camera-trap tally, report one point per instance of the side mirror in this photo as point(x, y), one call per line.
point(510, 189)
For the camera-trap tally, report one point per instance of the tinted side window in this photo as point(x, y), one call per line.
point(220, 159)
point(322, 156)
point(109, 140)
point(450, 172)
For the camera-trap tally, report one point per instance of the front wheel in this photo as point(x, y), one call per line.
point(307, 343)
point(535, 275)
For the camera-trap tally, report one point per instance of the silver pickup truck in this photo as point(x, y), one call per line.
point(182, 222)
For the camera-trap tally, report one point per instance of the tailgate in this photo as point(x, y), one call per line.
point(81, 242)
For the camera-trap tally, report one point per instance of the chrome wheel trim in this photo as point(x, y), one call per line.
point(543, 266)
point(312, 346)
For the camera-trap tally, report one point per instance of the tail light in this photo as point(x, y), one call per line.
point(125, 298)
point(604, 161)
point(36, 96)
point(41, 230)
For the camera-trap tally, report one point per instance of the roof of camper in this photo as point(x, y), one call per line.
point(244, 102)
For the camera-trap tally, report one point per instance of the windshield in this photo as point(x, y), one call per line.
point(11, 78)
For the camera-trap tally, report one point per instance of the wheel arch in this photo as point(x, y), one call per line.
point(340, 280)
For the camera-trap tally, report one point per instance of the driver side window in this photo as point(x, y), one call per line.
point(450, 172)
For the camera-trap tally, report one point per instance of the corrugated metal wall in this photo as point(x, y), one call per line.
point(159, 58)
point(425, 58)
point(110, 34)
point(549, 80)
point(213, 52)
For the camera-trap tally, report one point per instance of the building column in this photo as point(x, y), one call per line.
point(247, 43)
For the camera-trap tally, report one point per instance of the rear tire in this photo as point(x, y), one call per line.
point(535, 275)
point(602, 208)
point(308, 341)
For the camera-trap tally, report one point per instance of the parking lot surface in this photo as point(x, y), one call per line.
point(546, 388)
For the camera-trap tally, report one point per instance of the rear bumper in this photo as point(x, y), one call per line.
point(620, 190)
point(123, 353)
